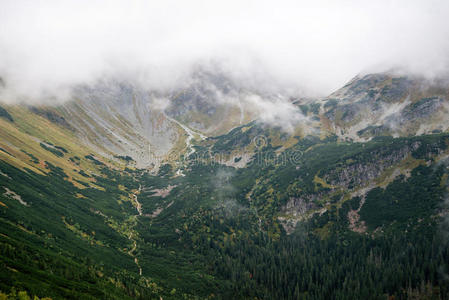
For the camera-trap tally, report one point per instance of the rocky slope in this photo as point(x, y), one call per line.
point(238, 200)
point(386, 104)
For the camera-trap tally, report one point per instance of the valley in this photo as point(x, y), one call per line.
point(351, 201)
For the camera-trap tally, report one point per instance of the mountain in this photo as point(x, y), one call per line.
point(199, 193)
point(123, 119)
point(382, 104)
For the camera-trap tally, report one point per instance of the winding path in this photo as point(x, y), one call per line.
point(131, 237)
point(138, 204)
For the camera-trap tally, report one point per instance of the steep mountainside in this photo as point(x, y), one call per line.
point(383, 104)
point(123, 193)
point(122, 119)
point(119, 119)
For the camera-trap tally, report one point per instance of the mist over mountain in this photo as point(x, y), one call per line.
point(235, 150)
point(313, 48)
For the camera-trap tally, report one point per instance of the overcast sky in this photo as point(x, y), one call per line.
point(308, 46)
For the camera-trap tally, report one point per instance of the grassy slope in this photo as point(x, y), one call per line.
point(25, 134)
point(71, 232)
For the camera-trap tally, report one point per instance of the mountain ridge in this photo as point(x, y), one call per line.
point(233, 213)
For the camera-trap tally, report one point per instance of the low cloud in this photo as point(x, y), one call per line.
point(277, 112)
point(311, 48)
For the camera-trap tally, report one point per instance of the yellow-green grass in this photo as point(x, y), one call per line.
point(29, 130)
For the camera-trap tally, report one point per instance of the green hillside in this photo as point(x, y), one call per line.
point(254, 213)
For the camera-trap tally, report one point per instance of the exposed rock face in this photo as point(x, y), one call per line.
point(119, 119)
point(122, 120)
point(360, 174)
point(423, 109)
point(296, 209)
point(353, 179)
point(210, 103)
point(386, 104)
point(299, 206)
point(370, 88)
